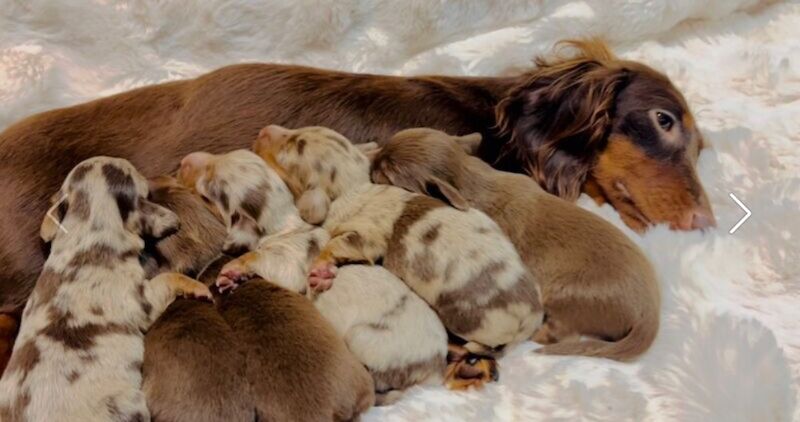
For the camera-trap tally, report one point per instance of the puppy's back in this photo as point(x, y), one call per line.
point(297, 366)
point(193, 368)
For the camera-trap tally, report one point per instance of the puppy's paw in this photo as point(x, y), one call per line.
point(232, 275)
point(321, 276)
point(191, 289)
point(471, 372)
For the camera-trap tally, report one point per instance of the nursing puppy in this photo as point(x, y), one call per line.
point(459, 262)
point(595, 281)
point(251, 197)
point(193, 366)
point(387, 327)
point(79, 352)
point(339, 166)
point(297, 366)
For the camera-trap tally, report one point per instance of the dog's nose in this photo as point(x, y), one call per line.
point(699, 218)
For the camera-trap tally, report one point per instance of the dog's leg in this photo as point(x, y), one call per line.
point(162, 289)
point(345, 248)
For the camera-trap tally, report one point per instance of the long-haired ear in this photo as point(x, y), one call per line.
point(558, 119)
point(51, 223)
point(243, 234)
point(469, 143)
point(370, 149)
point(439, 189)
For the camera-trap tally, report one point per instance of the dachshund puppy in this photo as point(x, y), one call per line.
point(341, 166)
point(80, 347)
point(595, 281)
point(193, 365)
point(387, 327)
point(251, 197)
point(298, 367)
point(459, 262)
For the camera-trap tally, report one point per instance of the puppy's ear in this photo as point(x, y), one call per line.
point(313, 205)
point(439, 189)
point(469, 143)
point(370, 149)
point(51, 223)
point(243, 234)
point(156, 221)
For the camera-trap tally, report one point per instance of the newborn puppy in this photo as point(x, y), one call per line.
point(339, 165)
point(80, 346)
point(458, 261)
point(611, 296)
point(193, 366)
point(297, 366)
point(251, 197)
point(389, 329)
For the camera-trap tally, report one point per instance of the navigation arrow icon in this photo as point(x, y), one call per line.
point(746, 215)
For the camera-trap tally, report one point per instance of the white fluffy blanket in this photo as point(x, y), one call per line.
point(729, 346)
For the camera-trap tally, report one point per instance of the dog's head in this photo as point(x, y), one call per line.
point(237, 183)
point(107, 192)
point(615, 129)
point(200, 237)
point(425, 161)
point(317, 163)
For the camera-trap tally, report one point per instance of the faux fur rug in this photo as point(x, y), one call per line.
point(729, 346)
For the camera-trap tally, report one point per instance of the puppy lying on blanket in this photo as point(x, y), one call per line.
point(390, 329)
point(595, 281)
point(193, 366)
point(297, 366)
point(459, 262)
point(80, 347)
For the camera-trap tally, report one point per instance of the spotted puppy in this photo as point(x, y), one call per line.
point(390, 329)
point(79, 352)
point(459, 262)
point(193, 365)
point(338, 165)
point(251, 197)
point(611, 298)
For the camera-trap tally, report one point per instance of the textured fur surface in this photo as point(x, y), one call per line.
point(388, 328)
point(80, 348)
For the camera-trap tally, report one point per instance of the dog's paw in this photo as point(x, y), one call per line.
point(321, 276)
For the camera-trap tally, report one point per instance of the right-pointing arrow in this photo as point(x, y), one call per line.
point(746, 215)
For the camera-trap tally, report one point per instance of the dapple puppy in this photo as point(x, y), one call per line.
point(298, 367)
point(459, 262)
point(595, 281)
point(339, 165)
point(253, 199)
point(390, 329)
point(193, 366)
point(79, 352)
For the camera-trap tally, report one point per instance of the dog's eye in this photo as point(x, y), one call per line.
point(664, 120)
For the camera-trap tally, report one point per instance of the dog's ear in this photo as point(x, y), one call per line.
point(313, 205)
point(558, 120)
point(369, 149)
point(51, 223)
point(156, 221)
point(469, 143)
point(439, 189)
point(243, 234)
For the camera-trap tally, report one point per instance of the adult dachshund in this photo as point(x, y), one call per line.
point(615, 129)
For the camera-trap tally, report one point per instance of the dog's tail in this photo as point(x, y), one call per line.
point(636, 342)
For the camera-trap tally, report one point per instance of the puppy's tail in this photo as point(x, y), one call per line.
point(636, 342)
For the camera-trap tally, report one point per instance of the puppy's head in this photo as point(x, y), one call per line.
point(200, 237)
point(107, 192)
point(425, 161)
point(317, 163)
point(237, 183)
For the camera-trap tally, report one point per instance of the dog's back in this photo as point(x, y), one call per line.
point(298, 367)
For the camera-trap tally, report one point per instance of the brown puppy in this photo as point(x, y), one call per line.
point(595, 281)
point(558, 119)
point(193, 366)
point(298, 367)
